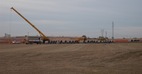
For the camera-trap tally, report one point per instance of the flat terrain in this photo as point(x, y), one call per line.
point(117, 58)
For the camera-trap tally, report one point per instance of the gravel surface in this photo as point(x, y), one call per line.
point(117, 58)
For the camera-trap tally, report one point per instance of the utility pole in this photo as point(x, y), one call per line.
point(106, 34)
point(112, 30)
point(102, 32)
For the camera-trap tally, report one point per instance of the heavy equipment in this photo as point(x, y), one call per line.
point(43, 37)
point(102, 39)
point(81, 39)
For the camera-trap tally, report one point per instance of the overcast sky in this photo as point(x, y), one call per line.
point(72, 17)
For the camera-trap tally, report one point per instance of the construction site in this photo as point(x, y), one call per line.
point(69, 55)
point(43, 39)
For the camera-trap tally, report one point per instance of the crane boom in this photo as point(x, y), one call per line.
point(41, 34)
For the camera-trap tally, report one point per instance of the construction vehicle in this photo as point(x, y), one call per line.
point(81, 39)
point(102, 39)
point(43, 37)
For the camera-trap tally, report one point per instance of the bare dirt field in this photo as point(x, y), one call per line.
point(116, 58)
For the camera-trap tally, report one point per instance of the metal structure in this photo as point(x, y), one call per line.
point(44, 38)
point(112, 30)
point(81, 39)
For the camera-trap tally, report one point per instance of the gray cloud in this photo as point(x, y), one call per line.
point(72, 17)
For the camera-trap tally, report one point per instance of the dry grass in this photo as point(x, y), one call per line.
point(124, 58)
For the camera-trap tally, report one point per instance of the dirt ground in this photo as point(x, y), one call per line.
point(116, 58)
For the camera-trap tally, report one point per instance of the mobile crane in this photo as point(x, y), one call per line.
point(44, 38)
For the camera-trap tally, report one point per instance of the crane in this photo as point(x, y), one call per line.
point(44, 38)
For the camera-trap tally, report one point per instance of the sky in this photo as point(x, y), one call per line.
point(92, 18)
